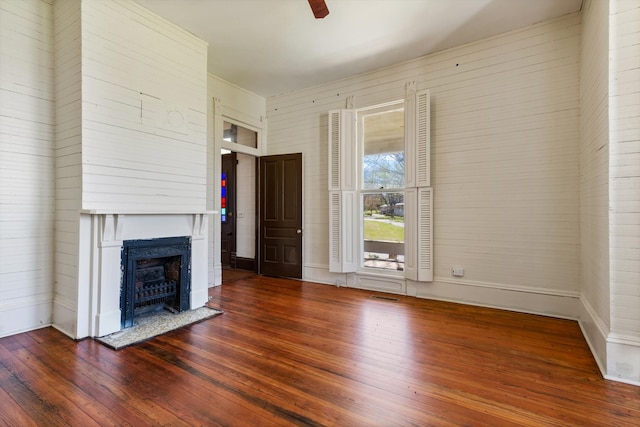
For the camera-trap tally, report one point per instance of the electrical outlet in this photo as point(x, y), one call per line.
point(457, 271)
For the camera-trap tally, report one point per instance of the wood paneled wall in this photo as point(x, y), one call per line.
point(594, 164)
point(26, 164)
point(624, 189)
point(68, 161)
point(624, 165)
point(246, 207)
point(106, 108)
point(241, 106)
point(131, 136)
point(144, 86)
point(505, 164)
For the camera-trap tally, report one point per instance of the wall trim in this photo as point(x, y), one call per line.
point(624, 339)
point(544, 302)
point(215, 275)
point(623, 354)
point(378, 283)
point(319, 273)
point(64, 316)
point(541, 301)
point(25, 314)
point(595, 334)
point(504, 286)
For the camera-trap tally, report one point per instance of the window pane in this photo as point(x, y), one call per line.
point(240, 135)
point(383, 141)
point(223, 198)
point(383, 230)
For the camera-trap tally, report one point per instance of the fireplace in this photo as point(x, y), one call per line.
point(155, 276)
point(103, 235)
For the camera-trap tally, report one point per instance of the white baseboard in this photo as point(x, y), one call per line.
point(623, 359)
point(65, 317)
point(617, 356)
point(546, 302)
point(379, 283)
point(25, 315)
point(320, 274)
point(595, 332)
point(215, 275)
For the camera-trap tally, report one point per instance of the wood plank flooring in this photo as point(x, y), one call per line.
point(287, 352)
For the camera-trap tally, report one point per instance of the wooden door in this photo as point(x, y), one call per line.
point(228, 213)
point(280, 225)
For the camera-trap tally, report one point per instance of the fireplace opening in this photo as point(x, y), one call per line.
point(155, 276)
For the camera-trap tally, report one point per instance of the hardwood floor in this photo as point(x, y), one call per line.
point(294, 353)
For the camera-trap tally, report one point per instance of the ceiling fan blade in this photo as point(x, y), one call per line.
point(319, 8)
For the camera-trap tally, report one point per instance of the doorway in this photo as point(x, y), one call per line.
point(261, 215)
point(228, 211)
point(238, 212)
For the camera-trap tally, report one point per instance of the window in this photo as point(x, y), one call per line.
point(379, 179)
point(381, 136)
point(236, 134)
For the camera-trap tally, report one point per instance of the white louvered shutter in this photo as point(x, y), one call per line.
point(343, 203)
point(425, 234)
point(410, 137)
point(423, 139)
point(342, 150)
point(334, 150)
point(418, 193)
point(410, 230)
point(335, 260)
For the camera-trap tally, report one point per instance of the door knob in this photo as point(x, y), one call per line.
point(299, 231)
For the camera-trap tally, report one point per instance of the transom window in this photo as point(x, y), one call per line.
point(237, 134)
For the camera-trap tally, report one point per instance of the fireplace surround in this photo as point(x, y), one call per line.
point(96, 310)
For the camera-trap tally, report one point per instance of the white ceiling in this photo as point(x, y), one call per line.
point(271, 47)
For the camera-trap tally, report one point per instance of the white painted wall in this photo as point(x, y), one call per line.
point(246, 206)
point(26, 164)
point(143, 111)
point(594, 171)
point(623, 355)
point(131, 131)
point(505, 164)
point(68, 161)
point(226, 100)
point(610, 186)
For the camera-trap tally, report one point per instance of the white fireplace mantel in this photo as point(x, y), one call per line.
point(102, 233)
